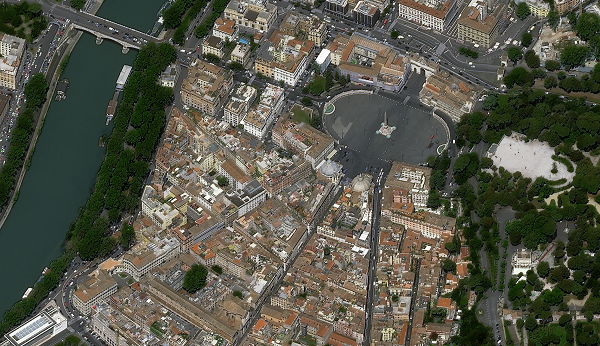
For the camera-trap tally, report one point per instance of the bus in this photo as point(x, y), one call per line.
point(385, 21)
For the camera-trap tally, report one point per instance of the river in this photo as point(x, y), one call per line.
point(67, 156)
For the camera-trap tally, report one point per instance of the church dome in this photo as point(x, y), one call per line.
point(361, 182)
point(330, 168)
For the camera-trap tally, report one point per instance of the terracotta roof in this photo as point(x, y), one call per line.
point(444, 303)
point(260, 324)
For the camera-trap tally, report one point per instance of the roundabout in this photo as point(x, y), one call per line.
point(377, 127)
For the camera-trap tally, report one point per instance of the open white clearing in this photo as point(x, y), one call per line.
point(533, 159)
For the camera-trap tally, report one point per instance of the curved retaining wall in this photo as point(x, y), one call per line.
point(346, 93)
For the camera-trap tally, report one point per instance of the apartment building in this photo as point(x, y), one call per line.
point(237, 178)
point(337, 8)
point(365, 13)
point(564, 6)
point(253, 14)
point(11, 51)
point(370, 62)
point(315, 30)
point(309, 27)
point(247, 199)
point(138, 262)
point(283, 57)
point(98, 286)
point(185, 308)
point(477, 26)
point(241, 54)
point(280, 177)
point(236, 109)
point(414, 179)
point(161, 214)
point(232, 264)
point(313, 145)
point(206, 87)
point(260, 118)
point(225, 29)
point(538, 8)
point(449, 94)
point(213, 45)
point(436, 15)
point(428, 225)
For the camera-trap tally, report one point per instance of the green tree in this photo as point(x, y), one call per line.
point(490, 102)
point(523, 10)
point(236, 66)
point(35, 8)
point(449, 265)
point(127, 237)
point(394, 34)
point(519, 76)
point(573, 56)
point(217, 269)
point(35, 91)
point(451, 247)
point(526, 39)
point(552, 65)
point(553, 19)
point(306, 101)
point(570, 84)
point(77, 4)
point(238, 294)
point(588, 26)
point(195, 278)
point(543, 269)
point(564, 320)
point(514, 53)
point(211, 58)
point(465, 167)
point(201, 30)
point(532, 60)
point(531, 323)
point(318, 85)
point(222, 181)
point(550, 82)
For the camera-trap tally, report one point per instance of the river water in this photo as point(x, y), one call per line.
point(67, 156)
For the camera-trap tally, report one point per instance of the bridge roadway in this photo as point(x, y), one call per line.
point(95, 25)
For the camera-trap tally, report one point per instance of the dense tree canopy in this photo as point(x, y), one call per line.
point(465, 167)
point(522, 10)
point(573, 56)
point(35, 91)
point(588, 26)
point(526, 39)
point(195, 278)
point(514, 53)
point(532, 60)
point(552, 65)
point(122, 173)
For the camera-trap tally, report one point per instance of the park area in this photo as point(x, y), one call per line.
point(301, 114)
point(532, 158)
